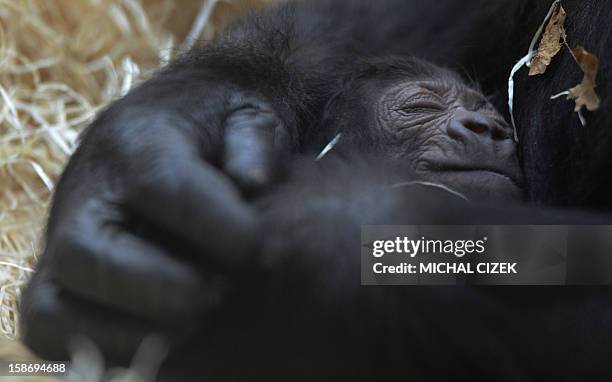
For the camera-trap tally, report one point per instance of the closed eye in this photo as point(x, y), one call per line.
point(422, 107)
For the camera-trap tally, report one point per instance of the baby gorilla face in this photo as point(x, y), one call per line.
point(447, 132)
point(451, 135)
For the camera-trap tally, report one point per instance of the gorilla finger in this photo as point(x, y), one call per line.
point(188, 197)
point(52, 318)
point(99, 261)
point(254, 142)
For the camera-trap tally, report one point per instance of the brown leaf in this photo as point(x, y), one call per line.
point(584, 94)
point(551, 42)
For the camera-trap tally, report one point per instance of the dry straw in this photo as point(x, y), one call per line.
point(60, 62)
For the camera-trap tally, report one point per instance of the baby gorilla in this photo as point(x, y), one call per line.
point(413, 112)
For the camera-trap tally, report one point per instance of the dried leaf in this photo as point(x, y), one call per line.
point(584, 94)
point(551, 42)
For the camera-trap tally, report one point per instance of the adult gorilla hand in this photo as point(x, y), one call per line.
point(147, 222)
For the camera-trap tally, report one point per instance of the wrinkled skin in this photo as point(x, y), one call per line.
point(455, 138)
point(427, 118)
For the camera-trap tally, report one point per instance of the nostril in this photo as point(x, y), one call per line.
point(476, 127)
point(469, 123)
point(463, 129)
point(501, 134)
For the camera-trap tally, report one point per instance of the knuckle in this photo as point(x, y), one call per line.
point(63, 244)
point(71, 249)
point(152, 178)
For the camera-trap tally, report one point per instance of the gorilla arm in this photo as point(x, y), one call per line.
point(149, 192)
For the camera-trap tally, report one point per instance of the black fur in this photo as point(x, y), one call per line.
point(146, 230)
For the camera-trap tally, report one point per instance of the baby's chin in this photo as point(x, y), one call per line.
point(479, 185)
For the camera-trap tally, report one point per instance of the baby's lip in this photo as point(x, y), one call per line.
point(512, 173)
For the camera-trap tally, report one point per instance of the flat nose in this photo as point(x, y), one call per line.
point(465, 124)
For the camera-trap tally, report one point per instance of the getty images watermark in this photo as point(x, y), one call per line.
point(486, 255)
